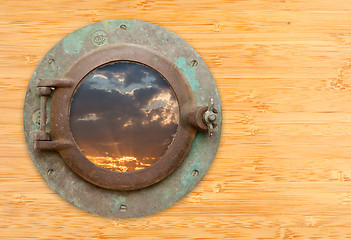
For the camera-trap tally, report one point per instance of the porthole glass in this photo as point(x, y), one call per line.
point(124, 116)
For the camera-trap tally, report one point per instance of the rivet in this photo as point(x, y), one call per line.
point(195, 173)
point(123, 27)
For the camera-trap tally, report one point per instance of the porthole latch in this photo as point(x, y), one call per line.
point(210, 117)
point(204, 118)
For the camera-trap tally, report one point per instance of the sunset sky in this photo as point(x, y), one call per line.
point(124, 116)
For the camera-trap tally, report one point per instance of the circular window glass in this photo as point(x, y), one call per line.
point(124, 116)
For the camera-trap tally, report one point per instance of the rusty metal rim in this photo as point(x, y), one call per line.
point(60, 124)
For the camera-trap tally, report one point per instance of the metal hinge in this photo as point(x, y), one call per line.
point(42, 137)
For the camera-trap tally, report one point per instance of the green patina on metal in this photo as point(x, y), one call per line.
point(118, 202)
point(102, 201)
point(73, 43)
point(189, 72)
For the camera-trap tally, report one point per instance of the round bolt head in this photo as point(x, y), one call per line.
point(212, 117)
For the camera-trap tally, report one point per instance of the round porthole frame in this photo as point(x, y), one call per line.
point(75, 178)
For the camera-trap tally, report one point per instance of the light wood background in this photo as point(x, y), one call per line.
point(283, 169)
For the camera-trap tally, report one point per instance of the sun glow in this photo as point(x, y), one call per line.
point(122, 164)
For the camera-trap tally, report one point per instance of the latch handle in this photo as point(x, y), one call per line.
point(210, 117)
point(204, 117)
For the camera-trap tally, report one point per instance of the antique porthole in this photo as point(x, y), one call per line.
point(122, 118)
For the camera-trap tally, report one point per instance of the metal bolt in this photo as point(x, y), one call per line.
point(50, 171)
point(123, 208)
point(212, 117)
point(51, 61)
point(123, 27)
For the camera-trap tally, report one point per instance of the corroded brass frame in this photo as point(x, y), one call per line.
point(70, 152)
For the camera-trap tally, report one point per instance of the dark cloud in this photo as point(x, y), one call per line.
point(135, 116)
point(127, 71)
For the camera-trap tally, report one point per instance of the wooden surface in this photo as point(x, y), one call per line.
point(283, 169)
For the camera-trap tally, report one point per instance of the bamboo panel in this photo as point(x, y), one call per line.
point(283, 169)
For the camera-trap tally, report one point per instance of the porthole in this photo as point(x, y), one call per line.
point(125, 114)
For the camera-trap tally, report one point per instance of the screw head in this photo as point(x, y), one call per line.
point(194, 63)
point(123, 208)
point(195, 173)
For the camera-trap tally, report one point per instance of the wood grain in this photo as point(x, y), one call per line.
point(283, 169)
